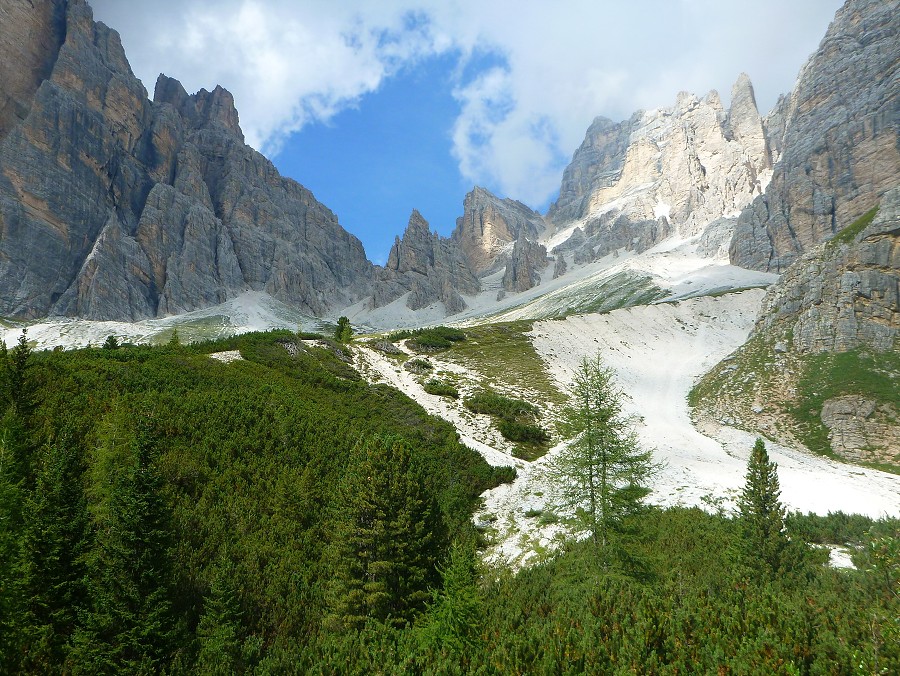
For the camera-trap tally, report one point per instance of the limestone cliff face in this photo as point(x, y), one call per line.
point(29, 43)
point(663, 172)
point(836, 138)
point(524, 266)
point(113, 206)
point(842, 295)
point(488, 227)
point(427, 266)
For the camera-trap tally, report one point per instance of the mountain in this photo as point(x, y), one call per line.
point(113, 206)
point(836, 136)
point(429, 267)
point(489, 227)
point(671, 171)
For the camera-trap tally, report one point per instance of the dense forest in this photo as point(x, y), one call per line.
point(164, 512)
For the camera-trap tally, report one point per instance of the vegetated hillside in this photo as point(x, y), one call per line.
point(156, 501)
point(164, 511)
point(822, 366)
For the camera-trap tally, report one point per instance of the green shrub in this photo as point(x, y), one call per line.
point(441, 389)
point(490, 403)
point(523, 432)
point(418, 366)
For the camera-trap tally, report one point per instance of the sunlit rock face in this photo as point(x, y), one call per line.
point(664, 172)
point(489, 226)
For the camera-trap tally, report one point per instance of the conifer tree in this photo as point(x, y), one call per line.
point(343, 332)
point(455, 613)
point(219, 628)
point(388, 538)
point(601, 474)
point(54, 543)
point(20, 387)
point(761, 513)
point(131, 624)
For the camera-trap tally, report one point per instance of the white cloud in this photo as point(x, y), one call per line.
point(556, 65)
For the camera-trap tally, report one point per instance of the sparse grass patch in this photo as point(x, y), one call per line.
point(503, 354)
point(849, 233)
point(825, 376)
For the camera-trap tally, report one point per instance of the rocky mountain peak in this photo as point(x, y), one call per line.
point(426, 266)
point(836, 139)
point(668, 171)
point(488, 227)
point(204, 109)
point(116, 207)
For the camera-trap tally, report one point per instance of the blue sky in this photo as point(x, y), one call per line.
point(392, 152)
point(382, 107)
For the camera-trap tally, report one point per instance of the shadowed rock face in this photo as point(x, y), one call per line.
point(113, 206)
point(837, 139)
point(841, 296)
point(429, 267)
point(525, 263)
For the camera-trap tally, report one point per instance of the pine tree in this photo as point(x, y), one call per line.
point(601, 474)
point(54, 543)
point(344, 332)
point(388, 538)
point(762, 515)
point(131, 624)
point(20, 386)
point(455, 614)
point(219, 628)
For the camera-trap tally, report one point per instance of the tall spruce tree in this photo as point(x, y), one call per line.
point(388, 537)
point(131, 625)
point(602, 473)
point(764, 541)
point(54, 543)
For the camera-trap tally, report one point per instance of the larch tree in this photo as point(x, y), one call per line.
point(602, 473)
point(764, 541)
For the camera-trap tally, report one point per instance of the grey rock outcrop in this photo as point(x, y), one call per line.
point(524, 266)
point(113, 206)
point(559, 266)
point(836, 137)
point(428, 267)
point(664, 172)
point(842, 295)
point(596, 164)
point(488, 227)
point(860, 429)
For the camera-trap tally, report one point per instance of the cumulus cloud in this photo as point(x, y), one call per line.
point(531, 76)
